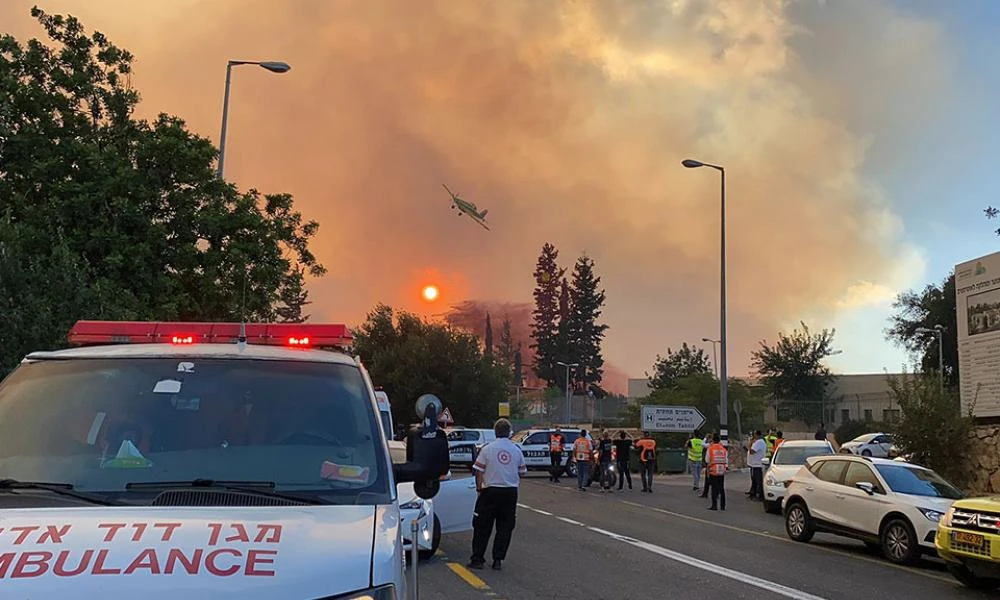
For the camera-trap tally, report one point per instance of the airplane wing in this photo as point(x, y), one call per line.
point(481, 222)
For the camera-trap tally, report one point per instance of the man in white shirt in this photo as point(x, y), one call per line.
point(755, 460)
point(499, 468)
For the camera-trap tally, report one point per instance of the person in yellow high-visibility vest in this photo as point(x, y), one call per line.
point(770, 438)
point(695, 447)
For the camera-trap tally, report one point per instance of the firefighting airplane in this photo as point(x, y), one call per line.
point(468, 208)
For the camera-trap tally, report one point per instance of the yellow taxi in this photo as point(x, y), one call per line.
point(968, 539)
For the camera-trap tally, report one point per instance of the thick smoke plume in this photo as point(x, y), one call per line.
point(568, 121)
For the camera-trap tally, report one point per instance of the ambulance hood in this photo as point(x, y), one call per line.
point(248, 553)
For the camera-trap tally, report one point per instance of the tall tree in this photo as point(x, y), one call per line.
point(408, 356)
point(685, 362)
point(488, 338)
point(505, 348)
point(585, 332)
point(545, 316)
point(565, 348)
point(793, 372)
point(924, 310)
point(133, 208)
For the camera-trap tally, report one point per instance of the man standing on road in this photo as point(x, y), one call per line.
point(770, 442)
point(623, 448)
point(605, 452)
point(556, 440)
point(581, 454)
point(499, 468)
point(704, 458)
point(647, 458)
point(718, 463)
point(755, 460)
point(695, 456)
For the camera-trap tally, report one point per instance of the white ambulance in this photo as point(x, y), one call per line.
point(199, 460)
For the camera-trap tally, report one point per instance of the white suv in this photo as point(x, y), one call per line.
point(786, 462)
point(884, 503)
point(534, 444)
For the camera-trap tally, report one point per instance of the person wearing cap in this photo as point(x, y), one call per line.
point(499, 468)
point(647, 458)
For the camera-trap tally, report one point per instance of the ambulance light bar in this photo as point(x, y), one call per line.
point(296, 335)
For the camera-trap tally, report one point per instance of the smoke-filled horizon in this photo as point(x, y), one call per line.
point(567, 121)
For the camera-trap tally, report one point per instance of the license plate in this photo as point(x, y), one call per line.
point(971, 539)
point(461, 451)
point(536, 453)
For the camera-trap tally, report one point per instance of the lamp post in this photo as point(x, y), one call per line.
point(939, 331)
point(272, 66)
point(569, 401)
point(723, 375)
point(715, 354)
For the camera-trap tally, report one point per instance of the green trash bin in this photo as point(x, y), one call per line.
point(671, 460)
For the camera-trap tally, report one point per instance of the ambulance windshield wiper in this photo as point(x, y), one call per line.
point(258, 488)
point(62, 489)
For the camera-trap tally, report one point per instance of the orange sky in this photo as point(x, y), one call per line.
point(567, 120)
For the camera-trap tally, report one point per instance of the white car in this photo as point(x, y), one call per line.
point(878, 445)
point(464, 443)
point(450, 511)
point(886, 504)
point(786, 462)
point(534, 444)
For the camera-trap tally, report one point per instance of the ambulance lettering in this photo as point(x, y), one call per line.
point(41, 550)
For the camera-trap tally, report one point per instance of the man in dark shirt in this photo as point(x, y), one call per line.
point(605, 449)
point(623, 448)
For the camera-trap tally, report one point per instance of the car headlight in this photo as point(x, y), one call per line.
point(770, 480)
point(417, 504)
point(931, 514)
point(946, 519)
point(385, 592)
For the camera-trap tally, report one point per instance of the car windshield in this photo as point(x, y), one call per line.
point(100, 424)
point(864, 439)
point(797, 455)
point(917, 482)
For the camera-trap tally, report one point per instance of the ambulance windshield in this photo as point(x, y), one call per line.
point(101, 423)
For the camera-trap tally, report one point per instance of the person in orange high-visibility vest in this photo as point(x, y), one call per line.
point(778, 440)
point(647, 458)
point(556, 441)
point(718, 464)
point(581, 454)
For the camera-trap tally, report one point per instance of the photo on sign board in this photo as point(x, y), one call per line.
point(983, 312)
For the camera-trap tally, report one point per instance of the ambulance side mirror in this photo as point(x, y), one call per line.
point(427, 457)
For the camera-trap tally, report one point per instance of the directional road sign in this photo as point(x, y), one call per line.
point(445, 417)
point(671, 418)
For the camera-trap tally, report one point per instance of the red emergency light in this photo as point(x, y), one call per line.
point(296, 335)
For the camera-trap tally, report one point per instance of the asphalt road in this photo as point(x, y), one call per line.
point(631, 545)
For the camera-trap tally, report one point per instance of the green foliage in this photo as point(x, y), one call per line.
point(408, 357)
point(584, 332)
point(852, 428)
point(931, 307)
point(110, 217)
point(686, 361)
point(932, 427)
point(545, 316)
point(505, 356)
point(793, 371)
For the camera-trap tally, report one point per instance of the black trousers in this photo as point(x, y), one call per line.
point(623, 474)
point(757, 483)
point(555, 459)
point(717, 483)
point(495, 505)
point(647, 474)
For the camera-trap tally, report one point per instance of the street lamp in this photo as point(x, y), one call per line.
point(270, 65)
point(569, 401)
point(715, 355)
point(723, 375)
point(939, 330)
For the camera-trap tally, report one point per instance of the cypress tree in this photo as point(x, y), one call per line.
point(544, 317)
point(586, 333)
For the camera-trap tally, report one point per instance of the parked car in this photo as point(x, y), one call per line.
point(878, 445)
point(786, 462)
point(886, 504)
point(464, 444)
point(967, 538)
point(534, 444)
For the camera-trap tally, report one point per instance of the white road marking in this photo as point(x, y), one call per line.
point(698, 563)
